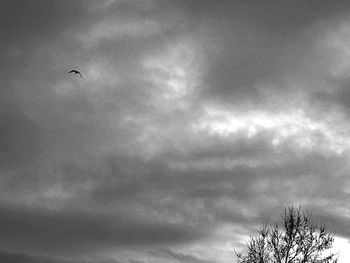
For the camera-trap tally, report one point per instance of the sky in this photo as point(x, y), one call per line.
point(194, 123)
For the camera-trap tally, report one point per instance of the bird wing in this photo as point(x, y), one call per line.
point(76, 72)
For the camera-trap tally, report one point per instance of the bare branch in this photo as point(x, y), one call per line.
point(298, 240)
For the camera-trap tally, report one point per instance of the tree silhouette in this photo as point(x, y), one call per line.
point(297, 240)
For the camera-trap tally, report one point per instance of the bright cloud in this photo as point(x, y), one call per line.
point(291, 126)
point(175, 74)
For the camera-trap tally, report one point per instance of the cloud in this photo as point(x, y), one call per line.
point(179, 257)
point(293, 127)
point(79, 233)
point(23, 258)
point(194, 123)
point(108, 30)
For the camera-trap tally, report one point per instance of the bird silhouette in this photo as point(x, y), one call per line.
point(76, 72)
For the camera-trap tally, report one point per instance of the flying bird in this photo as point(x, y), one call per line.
point(76, 72)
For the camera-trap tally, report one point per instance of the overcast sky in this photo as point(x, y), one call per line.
point(195, 122)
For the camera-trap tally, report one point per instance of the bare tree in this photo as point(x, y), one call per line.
point(297, 240)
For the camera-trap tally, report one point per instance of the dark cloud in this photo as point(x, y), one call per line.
point(67, 233)
point(20, 137)
point(258, 44)
point(21, 21)
point(23, 258)
point(179, 257)
point(16, 258)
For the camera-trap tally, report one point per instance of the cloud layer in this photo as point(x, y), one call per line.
point(194, 123)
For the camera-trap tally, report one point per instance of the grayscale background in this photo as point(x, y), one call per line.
point(194, 122)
